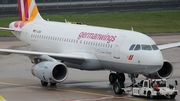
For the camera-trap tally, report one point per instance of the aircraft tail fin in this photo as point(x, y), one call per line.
point(28, 10)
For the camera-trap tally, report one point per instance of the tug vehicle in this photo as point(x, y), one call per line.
point(152, 88)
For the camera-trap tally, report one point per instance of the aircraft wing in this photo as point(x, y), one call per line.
point(9, 29)
point(170, 45)
point(69, 57)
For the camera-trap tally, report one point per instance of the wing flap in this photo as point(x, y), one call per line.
point(69, 57)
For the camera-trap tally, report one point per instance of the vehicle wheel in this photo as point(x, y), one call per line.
point(172, 96)
point(117, 87)
point(121, 77)
point(112, 78)
point(149, 95)
point(43, 83)
point(53, 84)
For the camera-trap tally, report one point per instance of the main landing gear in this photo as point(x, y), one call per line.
point(119, 79)
point(43, 83)
point(113, 77)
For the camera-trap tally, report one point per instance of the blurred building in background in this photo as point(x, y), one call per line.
point(7, 5)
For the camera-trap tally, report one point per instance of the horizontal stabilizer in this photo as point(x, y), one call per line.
point(9, 29)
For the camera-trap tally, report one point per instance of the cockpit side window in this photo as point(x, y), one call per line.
point(132, 47)
point(138, 47)
point(146, 47)
point(154, 47)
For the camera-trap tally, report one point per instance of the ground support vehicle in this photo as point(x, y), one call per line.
point(152, 88)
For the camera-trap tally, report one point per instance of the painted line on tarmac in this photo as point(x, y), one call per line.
point(106, 98)
point(102, 96)
point(73, 91)
point(2, 98)
point(90, 99)
point(93, 99)
point(12, 84)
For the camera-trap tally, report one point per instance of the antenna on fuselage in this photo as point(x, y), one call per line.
point(132, 28)
point(65, 21)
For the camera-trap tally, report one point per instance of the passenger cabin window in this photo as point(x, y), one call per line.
point(146, 47)
point(138, 47)
point(154, 47)
point(132, 47)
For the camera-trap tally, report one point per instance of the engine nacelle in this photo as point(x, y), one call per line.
point(50, 71)
point(165, 72)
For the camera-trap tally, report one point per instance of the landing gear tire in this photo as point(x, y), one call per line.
point(53, 84)
point(117, 87)
point(172, 96)
point(149, 95)
point(121, 77)
point(112, 78)
point(43, 83)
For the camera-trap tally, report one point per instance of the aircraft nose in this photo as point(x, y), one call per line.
point(157, 58)
point(155, 62)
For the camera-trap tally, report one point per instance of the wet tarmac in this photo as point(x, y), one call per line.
point(18, 84)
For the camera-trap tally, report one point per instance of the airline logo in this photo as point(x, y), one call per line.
point(130, 57)
point(95, 36)
point(27, 10)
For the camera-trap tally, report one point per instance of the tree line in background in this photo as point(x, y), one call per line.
point(42, 1)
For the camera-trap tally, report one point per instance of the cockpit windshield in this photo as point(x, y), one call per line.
point(154, 47)
point(146, 47)
point(132, 47)
point(137, 47)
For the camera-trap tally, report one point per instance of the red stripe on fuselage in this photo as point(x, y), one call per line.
point(19, 10)
point(26, 10)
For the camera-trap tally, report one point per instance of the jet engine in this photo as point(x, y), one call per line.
point(50, 71)
point(165, 72)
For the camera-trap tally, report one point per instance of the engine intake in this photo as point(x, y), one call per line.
point(50, 71)
point(165, 72)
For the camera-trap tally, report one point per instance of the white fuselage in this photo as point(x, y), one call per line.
point(110, 47)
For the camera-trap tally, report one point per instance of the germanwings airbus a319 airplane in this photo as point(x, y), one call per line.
point(59, 45)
